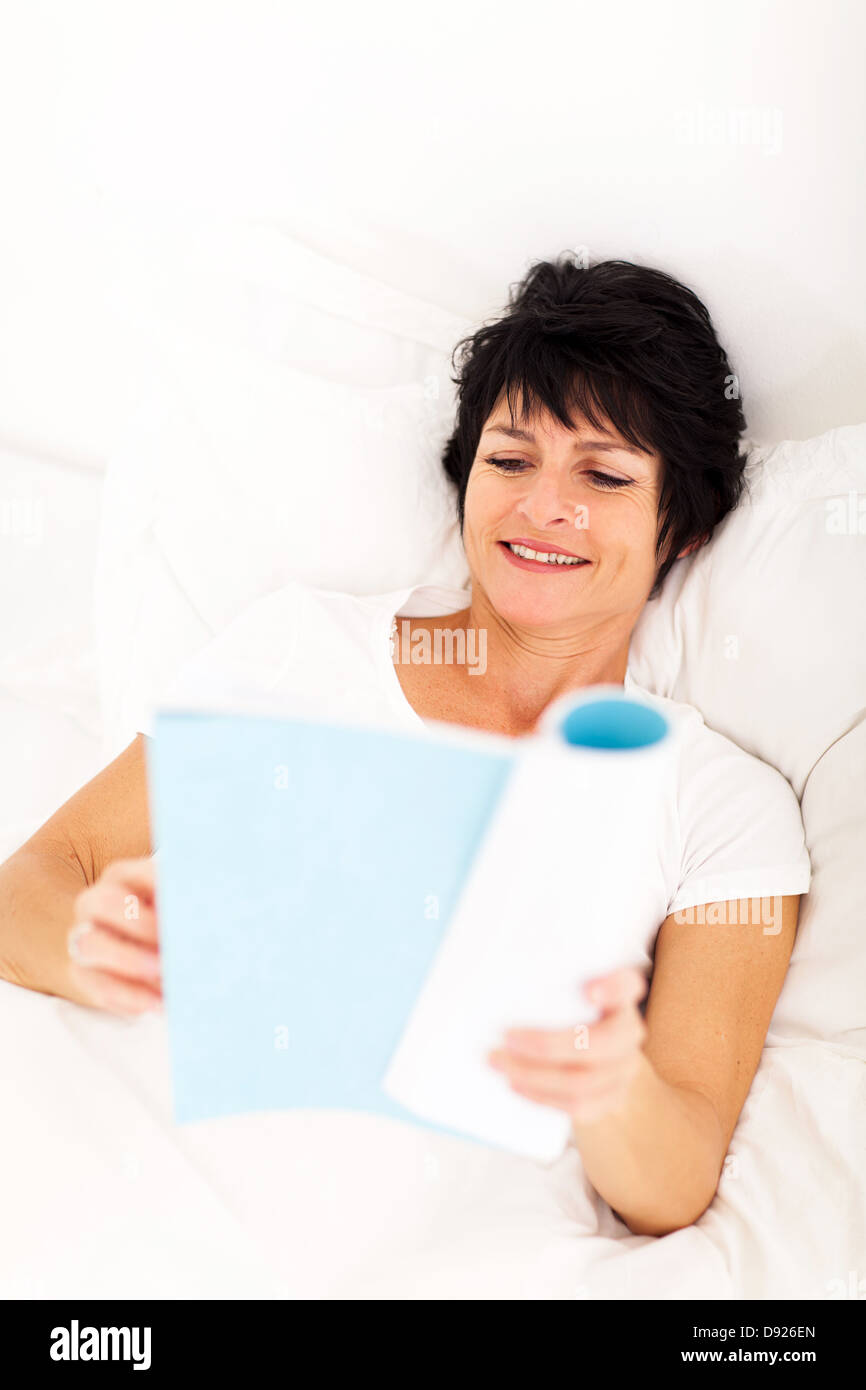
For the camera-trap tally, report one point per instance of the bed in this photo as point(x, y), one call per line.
point(111, 1198)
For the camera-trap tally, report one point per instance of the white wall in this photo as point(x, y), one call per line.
point(442, 147)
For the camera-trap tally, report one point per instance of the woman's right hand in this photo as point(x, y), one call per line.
point(113, 942)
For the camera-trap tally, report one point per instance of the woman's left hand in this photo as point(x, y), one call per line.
point(585, 1070)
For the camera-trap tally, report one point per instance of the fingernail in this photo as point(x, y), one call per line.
point(73, 941)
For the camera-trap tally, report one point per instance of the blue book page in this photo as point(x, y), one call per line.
point(306, 874)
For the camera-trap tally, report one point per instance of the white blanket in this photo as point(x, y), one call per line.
point(104, 1197)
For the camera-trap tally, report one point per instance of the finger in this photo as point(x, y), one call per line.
point(582, 1045)
point(549, 1044)
point(111, 905)
point(138, 875)
point(583, 1111)
point(97, 947)
point(616, 990)
point(519, 1068)
point(619, 1034)
point(586, 1099)
point(105, 991)
point(619, 990)
point(560, 1086)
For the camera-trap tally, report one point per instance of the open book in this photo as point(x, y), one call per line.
point(351, 915)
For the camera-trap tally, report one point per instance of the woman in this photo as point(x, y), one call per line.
point(596, 441)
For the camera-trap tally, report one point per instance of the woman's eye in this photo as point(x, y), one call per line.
point(515, 465)
point(608, 480)
point(507, 465)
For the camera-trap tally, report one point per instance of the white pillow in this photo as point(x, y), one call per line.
point(764, 629)
point(243, 466)
point(269, 474)
point(824, 995)
point(255, 289)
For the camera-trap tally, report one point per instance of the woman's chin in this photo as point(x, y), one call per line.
point(518, 605)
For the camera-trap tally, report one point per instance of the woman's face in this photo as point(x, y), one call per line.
point(585, 492)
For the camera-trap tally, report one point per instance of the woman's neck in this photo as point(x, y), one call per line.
point(527, 669)
point(523, 669)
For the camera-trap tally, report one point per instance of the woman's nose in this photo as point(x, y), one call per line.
point(547, 500)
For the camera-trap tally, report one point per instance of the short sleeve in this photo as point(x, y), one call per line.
point(741, 830)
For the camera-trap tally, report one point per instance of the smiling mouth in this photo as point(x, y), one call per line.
point(551, 559)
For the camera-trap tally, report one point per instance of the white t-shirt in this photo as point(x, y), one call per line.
point(733, 829)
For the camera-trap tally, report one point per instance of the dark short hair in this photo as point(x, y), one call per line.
point(626, 344)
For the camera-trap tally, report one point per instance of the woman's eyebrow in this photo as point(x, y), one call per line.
point(600, 445)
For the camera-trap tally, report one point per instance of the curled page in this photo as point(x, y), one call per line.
point(557, 894)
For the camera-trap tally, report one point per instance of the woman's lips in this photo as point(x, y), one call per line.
point(549, 547)
point(541, 566)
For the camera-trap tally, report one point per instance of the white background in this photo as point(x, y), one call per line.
point(442, 147)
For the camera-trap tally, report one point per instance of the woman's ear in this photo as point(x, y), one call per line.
point(701, 540)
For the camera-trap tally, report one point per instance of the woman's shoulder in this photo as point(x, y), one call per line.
point(348, 611)
point(712, 765)
point(328, 619)
point(706, 752)
point(298, 646)
point(741, 828)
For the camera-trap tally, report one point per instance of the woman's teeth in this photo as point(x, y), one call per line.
point(547, 557)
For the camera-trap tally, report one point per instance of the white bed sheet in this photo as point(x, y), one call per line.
point(113, 1200)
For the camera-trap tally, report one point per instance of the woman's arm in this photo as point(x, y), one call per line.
point(107, 819)
point(654, 1103)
